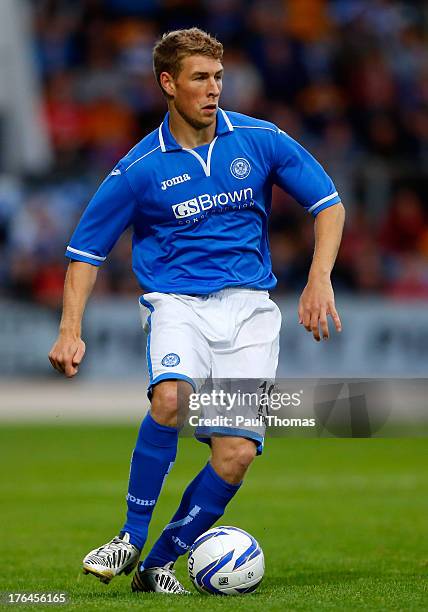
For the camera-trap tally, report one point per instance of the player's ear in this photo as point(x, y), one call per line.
point(167, 82)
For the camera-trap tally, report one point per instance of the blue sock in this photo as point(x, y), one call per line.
point(153, 457)
point(203, 502)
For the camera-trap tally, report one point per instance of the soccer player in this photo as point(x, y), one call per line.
point(197, 192)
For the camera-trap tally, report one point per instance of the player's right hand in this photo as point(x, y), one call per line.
point(67, 354)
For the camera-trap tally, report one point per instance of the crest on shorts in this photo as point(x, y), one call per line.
point(170, 360)
point(240, 168)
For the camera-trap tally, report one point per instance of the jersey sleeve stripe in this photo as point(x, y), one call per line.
point(85, 254)
point(322, 201)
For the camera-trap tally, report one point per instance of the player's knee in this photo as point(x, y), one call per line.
point(244, 455)
point(232, 457)
point(165, 403)
point(232, 468)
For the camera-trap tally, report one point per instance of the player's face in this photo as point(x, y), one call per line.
point(196, 90)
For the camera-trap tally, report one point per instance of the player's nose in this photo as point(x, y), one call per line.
point(214, 88)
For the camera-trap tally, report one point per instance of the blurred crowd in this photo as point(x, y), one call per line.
point(347, 78)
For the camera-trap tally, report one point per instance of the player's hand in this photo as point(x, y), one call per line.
point(315, 305)
point(67, 354)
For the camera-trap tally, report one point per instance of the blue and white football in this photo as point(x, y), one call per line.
point(226, 561)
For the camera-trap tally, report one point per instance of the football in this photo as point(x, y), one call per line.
point(226, 561)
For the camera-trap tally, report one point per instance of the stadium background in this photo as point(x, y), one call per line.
point(342, 522)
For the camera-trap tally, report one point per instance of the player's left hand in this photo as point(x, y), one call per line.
point(315, 304)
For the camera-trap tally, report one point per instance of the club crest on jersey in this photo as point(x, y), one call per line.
point(170, 360)
point(240, 168)
point(175, 180)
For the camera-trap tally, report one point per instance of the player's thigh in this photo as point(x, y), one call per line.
point(245, 370)
point(258, 361)
point(176, 349)
point(255, 350)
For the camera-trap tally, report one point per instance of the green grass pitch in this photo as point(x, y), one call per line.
point(343, 523)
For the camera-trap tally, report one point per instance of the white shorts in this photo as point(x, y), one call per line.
point(233, 333)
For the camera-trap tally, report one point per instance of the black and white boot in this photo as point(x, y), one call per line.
point(158, 580)
point(116, 557)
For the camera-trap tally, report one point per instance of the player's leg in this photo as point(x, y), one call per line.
point(152, 458)
point(170, 334)
point(203, 503)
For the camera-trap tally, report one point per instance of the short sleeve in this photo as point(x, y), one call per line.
point(108, 214)
point(297, 172)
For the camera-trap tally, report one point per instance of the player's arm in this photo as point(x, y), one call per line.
point(317, 300)
point(69, 348)
point(299, 173)
point(108, 214)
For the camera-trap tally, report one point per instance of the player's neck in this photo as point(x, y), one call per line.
point(185, 134)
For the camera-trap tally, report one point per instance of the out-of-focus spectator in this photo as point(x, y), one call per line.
point(110, 131)
point(242, 83)
point(134, 41)
point(412, 282)
point(65, 117)
point(359, 267)
point(405, 223)
point(308, 20)
point(48, 284)
point(225, 18)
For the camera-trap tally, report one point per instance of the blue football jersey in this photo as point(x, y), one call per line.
point(200, 216)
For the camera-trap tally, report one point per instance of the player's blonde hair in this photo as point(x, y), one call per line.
point(169, 50)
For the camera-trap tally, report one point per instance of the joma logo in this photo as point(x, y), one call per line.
point(180, 543)
point(140, 502)
point(175, 181)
